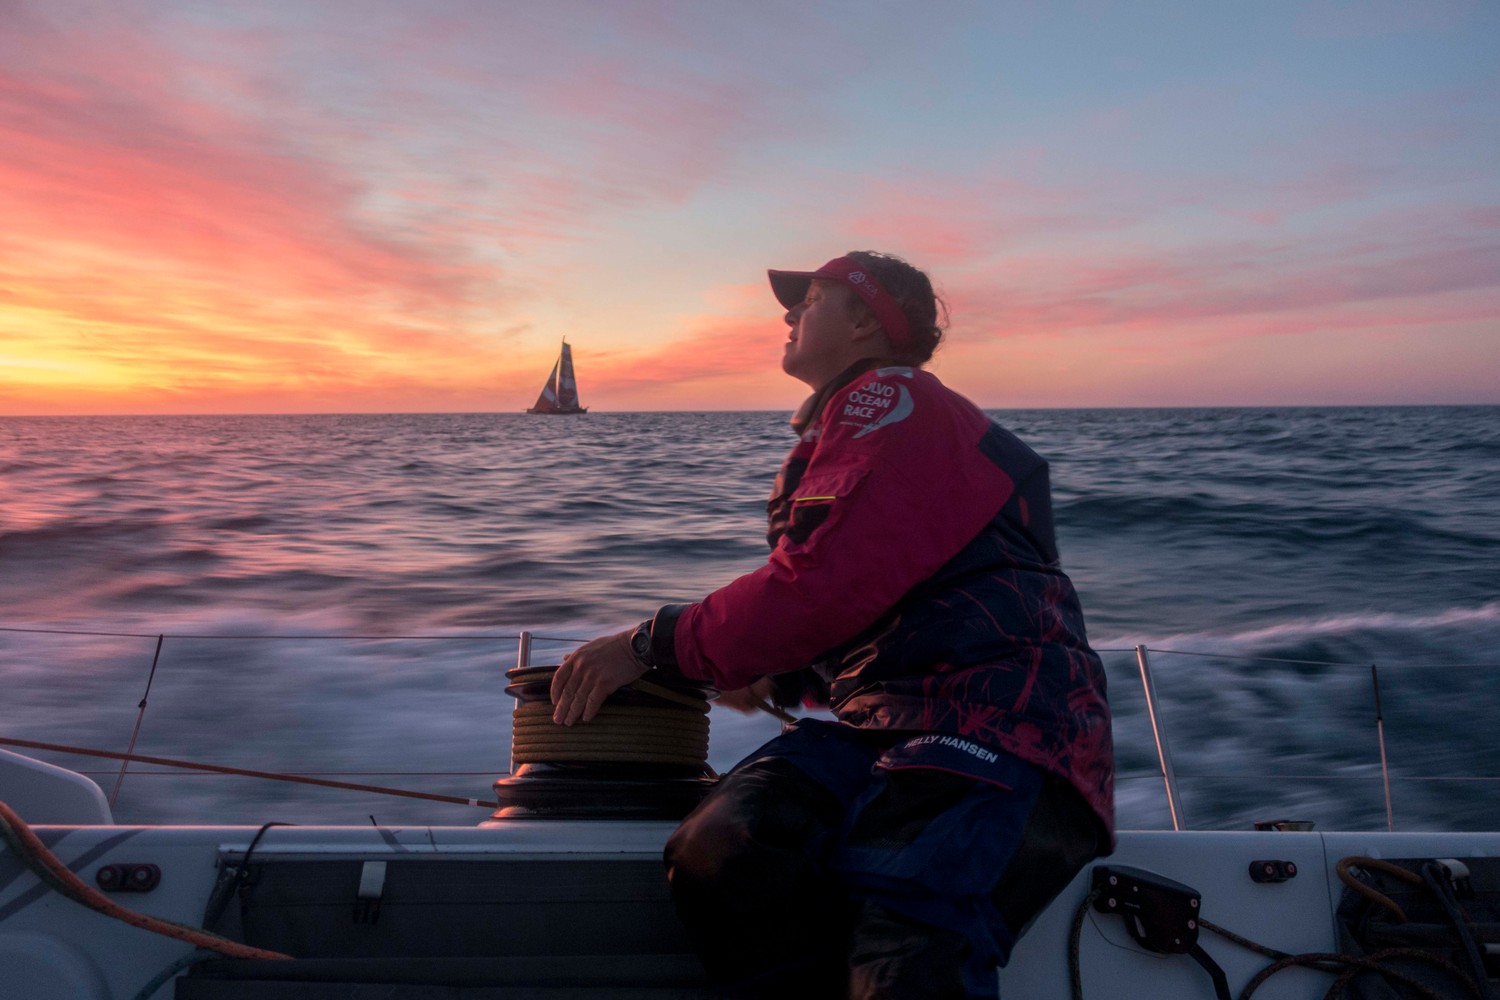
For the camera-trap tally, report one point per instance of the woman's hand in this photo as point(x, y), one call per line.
point(591, 673)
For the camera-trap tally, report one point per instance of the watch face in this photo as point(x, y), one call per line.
point(640, 643)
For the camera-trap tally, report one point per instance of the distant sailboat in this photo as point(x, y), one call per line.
point(560, 394)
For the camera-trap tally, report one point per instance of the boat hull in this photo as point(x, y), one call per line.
point(562, 908)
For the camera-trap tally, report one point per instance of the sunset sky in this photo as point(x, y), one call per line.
point(374, 206)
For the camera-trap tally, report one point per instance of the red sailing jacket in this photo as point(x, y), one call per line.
point(914, 568)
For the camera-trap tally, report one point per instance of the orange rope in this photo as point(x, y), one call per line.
point(1370, 892)
point(34, 854)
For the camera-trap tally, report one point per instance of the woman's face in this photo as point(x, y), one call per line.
point(823, 339)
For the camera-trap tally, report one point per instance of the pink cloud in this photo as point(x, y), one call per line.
point(1055, 258)
point(956, 220)
point(148, 177)
point(150, 145)
point(546, 121)
point(1248, 279)
point(713, 348)
point(653, 135)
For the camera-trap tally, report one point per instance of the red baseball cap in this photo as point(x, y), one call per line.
point(790, 288)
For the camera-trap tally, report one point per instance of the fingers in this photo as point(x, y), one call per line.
point(589, 675)
point(564, 684)
point(590, 704)
point(581, 699)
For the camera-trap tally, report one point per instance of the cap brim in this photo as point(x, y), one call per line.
point(790, 287)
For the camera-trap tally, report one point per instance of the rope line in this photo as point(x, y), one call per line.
point(1345, 968)
point(313, 774)
point(244, 772)
point(542, 710)
point(667, 694)
point(460, 637)
point(1369, 892)
point(58, 876)
point(1075, 943)
point(139, 718)
point(775, 711)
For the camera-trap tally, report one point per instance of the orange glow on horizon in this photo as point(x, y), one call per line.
point(208, 214)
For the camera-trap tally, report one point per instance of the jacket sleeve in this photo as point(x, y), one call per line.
point(890, 494)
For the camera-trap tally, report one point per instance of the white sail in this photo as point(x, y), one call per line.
point(567, 384)
point(547, 401)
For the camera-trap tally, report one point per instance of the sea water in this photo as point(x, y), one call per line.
point(340, 595)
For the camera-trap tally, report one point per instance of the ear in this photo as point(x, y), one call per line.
point(868, 331)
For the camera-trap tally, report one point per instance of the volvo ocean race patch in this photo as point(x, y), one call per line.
point(875, 404)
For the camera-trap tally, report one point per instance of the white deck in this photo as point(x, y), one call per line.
point(51, 947)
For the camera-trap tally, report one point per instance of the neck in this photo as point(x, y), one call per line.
point(813, 405)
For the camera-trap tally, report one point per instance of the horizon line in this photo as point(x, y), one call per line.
point(597, 412)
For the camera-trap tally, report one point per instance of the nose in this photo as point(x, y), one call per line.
point(793, 313)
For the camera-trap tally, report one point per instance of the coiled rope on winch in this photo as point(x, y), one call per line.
point(625, 734)
point(674, 730)
point(644, 755)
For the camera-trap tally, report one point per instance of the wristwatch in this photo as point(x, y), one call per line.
point(640, 644)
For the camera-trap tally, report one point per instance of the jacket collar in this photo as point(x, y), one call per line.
point(813, 405)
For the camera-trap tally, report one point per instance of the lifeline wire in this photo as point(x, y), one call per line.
point(244, 772)
point(577, 639)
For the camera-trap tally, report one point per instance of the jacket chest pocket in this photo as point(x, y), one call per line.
point(779, 507)
point(807, 515)
point(817, 498)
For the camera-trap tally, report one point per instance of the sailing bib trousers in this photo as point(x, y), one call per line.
point(830, 865)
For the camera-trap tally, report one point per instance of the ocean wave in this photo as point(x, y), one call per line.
point(240, 522)
point(1210, 536)
point(1290, 521)
point(1365, 625)
point(47, 538)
